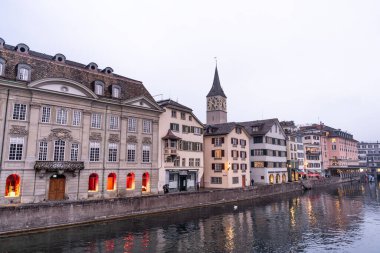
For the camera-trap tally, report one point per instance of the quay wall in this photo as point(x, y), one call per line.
point(22, 218)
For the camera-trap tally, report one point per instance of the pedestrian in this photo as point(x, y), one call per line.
point(252, 182)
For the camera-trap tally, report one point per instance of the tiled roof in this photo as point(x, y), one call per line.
point(220, 129)
point(216, 89)
point(262, 125)
point(173, 104)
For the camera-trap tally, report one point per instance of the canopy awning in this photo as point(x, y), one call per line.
point(171, 136)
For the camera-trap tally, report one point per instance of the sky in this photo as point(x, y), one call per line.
point(306, 61)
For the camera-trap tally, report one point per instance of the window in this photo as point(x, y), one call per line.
point(23, 74)
point(218, 153)
point(243, 167)
point(191, 162)
point(74, 152)
point(95, 120)
point(243, 154)
point(15, 148)
point(197, 162)
point(234, 154)
point(146, 154)
point(116, 91)
point(243, 143)
point(183, 162)
point(99, 87)
point(94, 151)
point(174, 127)
point(112, 152)
point(77, 115)
point(114, 122)
point(131, 152)
point(197, 130)
point(216, 180)
point(111, 182)
point(147, 126)
point(93, 182)
point(62, 116)
point(234, 141)
point(217, 141)
point(19, 112)
point(190, 118)
point(217, 167)
point(333, 147)
point(46, 111)
point(131, 181)
point(12, 186)
point(2, 66)
point(235, 180)
point(59, 150)
point(238, 130)
point(174, 114)
point(132, 125)
point(258, 139)
point(42, 152)
point(183, 115)
point(145, 182)
point(235, 167)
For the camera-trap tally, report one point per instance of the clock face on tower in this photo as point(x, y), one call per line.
point(216, 103)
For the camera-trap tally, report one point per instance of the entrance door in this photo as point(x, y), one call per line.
point(243, 181)
point(182, 183)
point(57, 187)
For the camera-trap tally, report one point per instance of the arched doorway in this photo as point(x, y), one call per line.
point(145, 182)
point(283, 178)
point(57, 187)
point(111, 182)
point(93, 182)
point(271, 179)
point(12, 186)
point(131, 181)
point(278, 178)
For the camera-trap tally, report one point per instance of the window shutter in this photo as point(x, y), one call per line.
point(212, 153)
point(241, 154)
point(222, 152)
point(213, 141)
point(213, 166)
point(252, 152)
point(232, 140)
point(265, 152)
point(222, 139)
point(232, 153)
point(223, 166)
point(192, 129)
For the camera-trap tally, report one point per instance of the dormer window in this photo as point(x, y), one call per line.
point(23, 72)
point(2, 67)
point(107, 70)
point(22, 48)
point(92, 66)
point(2, 42)
point(115, 91)
point(99, 88)
point(59, 58)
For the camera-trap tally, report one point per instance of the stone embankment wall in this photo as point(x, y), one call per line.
point(30, 217)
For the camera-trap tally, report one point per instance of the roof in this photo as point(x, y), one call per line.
point(216, 89)
point(171, 136)
point(263, 126)
point(173, 104)
point(221, 129)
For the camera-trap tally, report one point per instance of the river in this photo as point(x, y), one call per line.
point(343, 218)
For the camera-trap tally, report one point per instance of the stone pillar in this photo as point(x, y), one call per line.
point(155, 139)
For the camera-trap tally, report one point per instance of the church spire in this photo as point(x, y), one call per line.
point(216, 89)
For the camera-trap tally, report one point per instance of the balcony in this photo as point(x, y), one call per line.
point(170, 151)
point(58, 166)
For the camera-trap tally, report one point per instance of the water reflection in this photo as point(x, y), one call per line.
point(339, 219)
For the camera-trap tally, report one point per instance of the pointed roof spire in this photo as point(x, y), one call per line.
point(216, 89)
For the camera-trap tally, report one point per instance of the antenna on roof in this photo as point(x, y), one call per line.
point(159, 95)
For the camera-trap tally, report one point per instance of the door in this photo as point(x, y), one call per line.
point(57, 187)
point(243, 181)
point(182, 183)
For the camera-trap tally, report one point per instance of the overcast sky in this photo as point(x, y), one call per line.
point(293, 60)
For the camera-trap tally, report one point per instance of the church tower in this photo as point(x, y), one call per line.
point(216, 103)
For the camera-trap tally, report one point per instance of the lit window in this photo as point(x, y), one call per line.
point(146, 154)
point(95, 120)
point(62, 116)
point(116, 92)
point(131, 152)
point(42, 154)
point(114, 122)
point(93, 182)
point(94, 151)
point(12, 186)
point(147, 126)
point(131, 181)
point(74, 152)
point(59, 150)
point(111, 182)
point(46, 112)
point(19, 112)
point(15, 148)
point(77, 115)
point(132, 125)
point(145, 182)
point(112, 152)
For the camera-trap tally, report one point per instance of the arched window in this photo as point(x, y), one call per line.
point(12, 186)
point(277, 178)
point(111, 182)
point(271, 179)
point(145, 182)
point(283, 178)
point(93, 182)
point(131, 181)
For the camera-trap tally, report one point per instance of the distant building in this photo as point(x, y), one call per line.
point(216, 103)
point(369, 156)
point(181, 147)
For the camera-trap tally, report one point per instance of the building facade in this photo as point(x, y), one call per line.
point(181, 147)
point(73, 131)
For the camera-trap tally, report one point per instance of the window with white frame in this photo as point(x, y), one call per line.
point(147, 126)
point(46, 112)
point(216, 180)
point(61, 116)
point(131, 152)
point(42, 151)
point(74, 152)
point(94, 151)
point(197, 130)
point(197, 162)
point(59, 150)
point(19, 112)
point(23, 74)
point(132, 125)
point(99, 87)
point(95, 120)
point(77, 117)
point(2, 66)
point(116, 92)
point(112, 152)
point(146, 154)
point(191, 162)
point(114, 122)
point(15, 148)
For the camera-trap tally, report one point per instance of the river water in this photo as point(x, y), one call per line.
point(343, 218)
